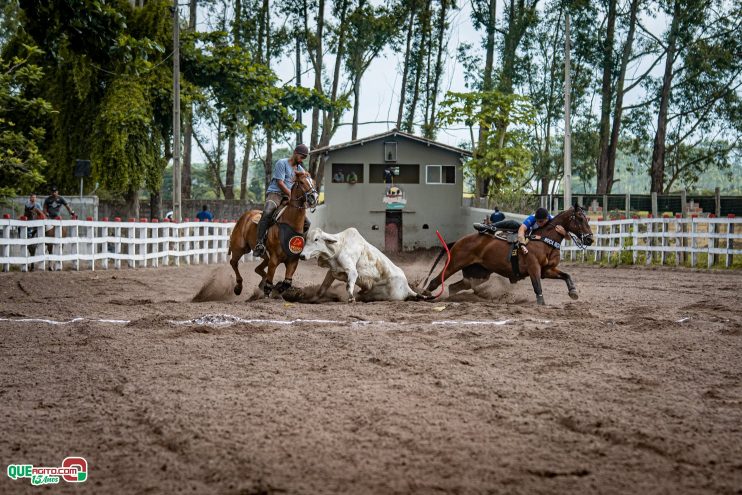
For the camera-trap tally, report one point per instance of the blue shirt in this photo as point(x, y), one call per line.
point(285, 172)
point(530, 222)
point(204, 215)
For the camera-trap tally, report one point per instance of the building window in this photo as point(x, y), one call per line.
point(440, 174)
point(402, 174)
point(390, 151)
point(350, 173)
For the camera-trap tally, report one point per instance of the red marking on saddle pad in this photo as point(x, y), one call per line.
point(296, 244)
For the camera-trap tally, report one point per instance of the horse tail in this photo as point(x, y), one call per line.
point(437, 260)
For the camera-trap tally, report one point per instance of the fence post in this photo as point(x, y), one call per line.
point(664, 242)
point(655, 209)
point(649, 241)
point(23, 234)
point(635, 238)
point(678, 238)
point(711, 243)
point(90, 233)
point(75, 231)
point(156, 245)
point(693, 243)
point(132, 247)
point(730, 241)
point(6, 247)
point(58, 248)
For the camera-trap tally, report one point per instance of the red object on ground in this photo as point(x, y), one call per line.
point(57, 217)
point(23, 217)
point(154, 220)
point(731, 215)
point(711, 215)
point(666, 215)
point(117, 219)
point(678, 215)
point(143, 220)
point(186, 219)
point(105, 219)
point(131, 219)
point(650, 216)
point(89, 219)
point(6, 216)
point(694, 216)
point(448, 260)
point(600, 219)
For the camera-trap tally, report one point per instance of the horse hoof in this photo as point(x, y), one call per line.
point(351, 300)
point(237, 290)
point(540, 300)
point(573, 294)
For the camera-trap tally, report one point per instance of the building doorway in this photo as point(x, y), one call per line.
point(393, 232)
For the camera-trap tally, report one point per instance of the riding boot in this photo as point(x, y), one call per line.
point(259, 249)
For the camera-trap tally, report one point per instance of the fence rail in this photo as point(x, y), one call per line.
point(91, 245)
point(667, 241)
point(102, 245)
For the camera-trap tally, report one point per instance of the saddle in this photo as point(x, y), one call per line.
point(505, 230)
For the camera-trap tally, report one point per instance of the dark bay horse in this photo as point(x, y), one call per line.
point(245, 236)
point(480, 255)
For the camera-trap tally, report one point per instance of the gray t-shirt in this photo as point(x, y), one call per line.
point(285, 172)
point(53, 205)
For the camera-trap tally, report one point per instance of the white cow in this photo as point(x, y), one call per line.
point(353, 260)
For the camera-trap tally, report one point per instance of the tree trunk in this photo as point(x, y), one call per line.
point(268, 158)
point(356, 103)
point(606, 97)
point(246, 167)
point(438, 69)
point(132, 204)
point(618, 109)
point(188, 125)
point(658, 154)
point(479, 185)
point(155, 205)
point(317, 63)
point(231, 158)
point(419, 59)
point(406, 65)
point(299, 132)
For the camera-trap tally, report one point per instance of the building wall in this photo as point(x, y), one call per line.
point(360, 205)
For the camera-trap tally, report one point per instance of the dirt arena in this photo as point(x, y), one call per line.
point(634, 388)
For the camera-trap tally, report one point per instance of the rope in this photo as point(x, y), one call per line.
point(448, 260)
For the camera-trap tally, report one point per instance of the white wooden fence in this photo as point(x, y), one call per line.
point(89, 245)
point(95, 245)
point(674, 241)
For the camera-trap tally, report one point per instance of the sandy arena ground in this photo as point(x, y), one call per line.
point(634, 388)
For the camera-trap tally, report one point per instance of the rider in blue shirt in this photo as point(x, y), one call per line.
point(284, 176)
point(534, 222)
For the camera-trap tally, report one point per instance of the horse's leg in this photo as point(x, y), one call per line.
point(287, 279)
point(260, 270)
point(452, 269)
point(556, 273)
point(534, 271)
point(235, 262)
point(268, 285)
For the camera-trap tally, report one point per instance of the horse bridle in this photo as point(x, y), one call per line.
point(303, 201)
point(579, 240)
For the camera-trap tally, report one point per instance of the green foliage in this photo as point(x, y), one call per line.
point(504, 155)
point(21, 128)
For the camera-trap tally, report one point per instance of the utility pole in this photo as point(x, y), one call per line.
point(567, 108)
point(177, 206)
point(299, 132)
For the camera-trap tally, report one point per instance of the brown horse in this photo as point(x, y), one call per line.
point(480, 255)
point(245, 236)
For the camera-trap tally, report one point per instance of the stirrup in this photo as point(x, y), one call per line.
point(259, 249)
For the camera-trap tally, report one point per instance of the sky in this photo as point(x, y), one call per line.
point(380, 86)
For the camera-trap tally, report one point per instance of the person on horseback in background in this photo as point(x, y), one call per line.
point(285, 172)
point(535, 222)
